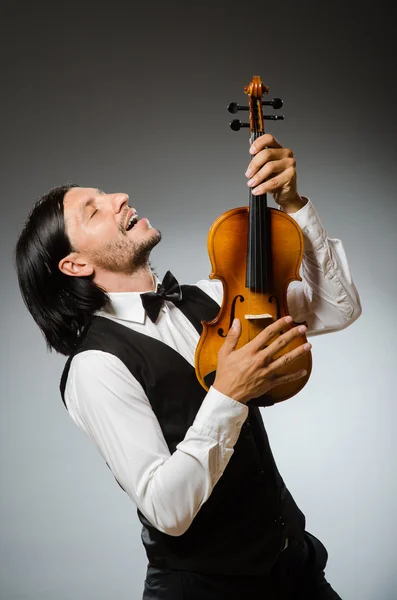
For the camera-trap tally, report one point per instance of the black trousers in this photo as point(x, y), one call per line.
point(297, 575)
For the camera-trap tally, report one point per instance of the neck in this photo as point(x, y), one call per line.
point(142, 280)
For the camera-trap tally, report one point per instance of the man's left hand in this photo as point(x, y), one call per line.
point(273, 170)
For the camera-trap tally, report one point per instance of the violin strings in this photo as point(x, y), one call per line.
point(251, 251)
point(260, 216)
point(252, 259)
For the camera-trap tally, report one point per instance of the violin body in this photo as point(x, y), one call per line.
point(227, 248)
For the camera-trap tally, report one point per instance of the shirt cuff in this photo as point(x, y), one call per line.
point(221, 418)
point(313, 231)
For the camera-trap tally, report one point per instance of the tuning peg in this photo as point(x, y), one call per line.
point(236, 125)
point(234, 107)
point(273, 117)
point(276, 103)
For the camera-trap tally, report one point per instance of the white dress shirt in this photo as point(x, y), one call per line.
point(111, 407)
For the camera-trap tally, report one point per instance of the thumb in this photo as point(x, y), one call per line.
point(232, 337)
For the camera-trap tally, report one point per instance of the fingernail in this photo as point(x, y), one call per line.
point(307, 346)
point(303, 373)
point(252, 149)
point(302, 329)
point(248, 173)
point(250, 181)
point(288, 319)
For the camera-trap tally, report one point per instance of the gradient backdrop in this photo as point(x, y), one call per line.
point(131, 97)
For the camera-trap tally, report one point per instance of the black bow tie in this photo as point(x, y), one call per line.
point(168, 289)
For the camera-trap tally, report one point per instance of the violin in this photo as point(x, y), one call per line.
point(256, 252)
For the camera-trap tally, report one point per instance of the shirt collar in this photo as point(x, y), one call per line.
point(126, 306)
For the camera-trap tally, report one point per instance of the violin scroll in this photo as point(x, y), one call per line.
point(255, 91)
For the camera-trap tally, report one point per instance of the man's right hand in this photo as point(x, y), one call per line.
point(251, 371)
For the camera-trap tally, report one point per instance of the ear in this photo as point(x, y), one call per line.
point(74, 265)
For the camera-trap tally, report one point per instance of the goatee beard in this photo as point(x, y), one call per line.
point(141, 253)
point(126, 256)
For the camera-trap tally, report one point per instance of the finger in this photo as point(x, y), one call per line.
point(265, 156)
point(277, 328)
point(277, 345)
point(289, 357)
point(279, 379)
point(232, 338)
point(275, 183)
point(270, 168)
point(263, 141)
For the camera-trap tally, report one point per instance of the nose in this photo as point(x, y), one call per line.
point(119, 201)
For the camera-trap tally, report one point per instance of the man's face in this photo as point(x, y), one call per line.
point(97, 225)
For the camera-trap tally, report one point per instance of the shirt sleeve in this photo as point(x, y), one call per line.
point(326, 298)
point(111, 407)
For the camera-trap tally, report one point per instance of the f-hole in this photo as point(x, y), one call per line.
point(232, 314)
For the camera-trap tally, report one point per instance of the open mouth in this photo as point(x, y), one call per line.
point(132, 222)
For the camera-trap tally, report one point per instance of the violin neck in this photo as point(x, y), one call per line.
point(259, 247)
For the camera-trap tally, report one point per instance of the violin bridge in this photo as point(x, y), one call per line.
point(265, 316)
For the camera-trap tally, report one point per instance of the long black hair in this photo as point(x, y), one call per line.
point(61, 305)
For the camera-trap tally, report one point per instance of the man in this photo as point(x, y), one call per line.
point(218, 521)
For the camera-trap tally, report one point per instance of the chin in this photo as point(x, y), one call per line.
point(156, 234)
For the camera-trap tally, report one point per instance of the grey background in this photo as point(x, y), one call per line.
point(131, 97)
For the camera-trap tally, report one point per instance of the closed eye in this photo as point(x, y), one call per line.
point(94, 213)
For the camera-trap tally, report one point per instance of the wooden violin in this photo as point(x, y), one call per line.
point(256, 252)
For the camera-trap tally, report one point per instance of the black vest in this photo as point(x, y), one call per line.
point(242, 527)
